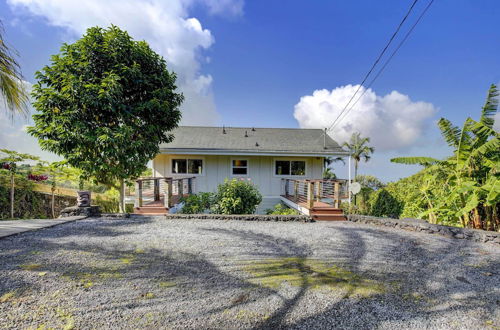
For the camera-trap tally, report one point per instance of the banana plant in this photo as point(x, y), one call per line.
point(472, 172)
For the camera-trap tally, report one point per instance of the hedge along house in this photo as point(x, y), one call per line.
point(285, 164)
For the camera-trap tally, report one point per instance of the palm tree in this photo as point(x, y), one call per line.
point(358, 148)
point(11, 80)
point(328, 171)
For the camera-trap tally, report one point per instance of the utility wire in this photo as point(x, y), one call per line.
point(386, 62)
point(376, 62)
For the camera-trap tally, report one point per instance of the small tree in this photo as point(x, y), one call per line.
point(9, 160)
point(56, 172)
point(105, 103)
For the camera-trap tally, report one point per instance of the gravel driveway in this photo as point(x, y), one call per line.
point(156, 273)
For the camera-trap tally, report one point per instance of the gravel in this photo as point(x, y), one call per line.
point(155, 273)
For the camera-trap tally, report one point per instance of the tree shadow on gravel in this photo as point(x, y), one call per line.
point(405, 266)
point(124, 275)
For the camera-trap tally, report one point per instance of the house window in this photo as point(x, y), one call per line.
point(290, 167)
point(239, 166)
point(187, 166)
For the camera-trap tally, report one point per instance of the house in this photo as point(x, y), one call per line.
point(268, 157)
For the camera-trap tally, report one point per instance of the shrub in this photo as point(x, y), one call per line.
point(236, 197)
point(281, 209)
point(195, 204)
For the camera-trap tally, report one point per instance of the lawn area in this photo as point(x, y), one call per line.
point(152, 272)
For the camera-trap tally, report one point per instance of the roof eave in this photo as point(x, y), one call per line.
point(228, 152)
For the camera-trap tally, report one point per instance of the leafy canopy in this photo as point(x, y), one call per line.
point(105, 103)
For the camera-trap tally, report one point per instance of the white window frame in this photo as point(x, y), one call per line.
point(290, 160)
point(171, 170)
point(247, 167)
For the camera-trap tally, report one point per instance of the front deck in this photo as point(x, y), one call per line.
point(159, 195)
point(319, 199)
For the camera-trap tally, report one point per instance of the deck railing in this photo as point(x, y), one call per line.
point(168, 190)
point(328, 191)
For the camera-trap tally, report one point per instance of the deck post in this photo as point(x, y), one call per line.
point(190, 186)
point(180, 187)
point(337, 195)
point(156, 189)
point(286, 187)
point(168, 196)
point(310, 194)
point(318, 190)
point(296, 191)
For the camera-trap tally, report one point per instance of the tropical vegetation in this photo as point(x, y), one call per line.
point(282, 209)
point(463, 189)
point(105, 103)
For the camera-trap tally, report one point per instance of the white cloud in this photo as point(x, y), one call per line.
point(165, 25)
point(392, 121)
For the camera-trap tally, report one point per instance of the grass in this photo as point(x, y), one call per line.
point(7, 296)
point(310, 273)
point(166, 284)
point(31, 266)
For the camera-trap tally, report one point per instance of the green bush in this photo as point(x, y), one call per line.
point(236, 197)
point(281, 209)
point(196, 204)
point(384, 204)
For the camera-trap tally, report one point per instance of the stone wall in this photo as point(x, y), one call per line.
point(32, 204)
point(425, 227)
point(245, 217)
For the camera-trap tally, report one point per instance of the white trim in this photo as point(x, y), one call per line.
point(290, 159)
point(231, 167)
point(219, 152)
point(170, 158)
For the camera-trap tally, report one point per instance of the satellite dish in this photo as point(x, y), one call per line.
point(355, 188)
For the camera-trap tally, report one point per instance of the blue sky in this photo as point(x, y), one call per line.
point(251, 63)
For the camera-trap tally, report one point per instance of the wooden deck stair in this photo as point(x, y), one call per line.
point(322, 213)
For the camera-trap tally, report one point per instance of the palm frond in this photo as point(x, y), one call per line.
point(450, 132)
point(425, 161)
point(490, 107)
point(12, 87)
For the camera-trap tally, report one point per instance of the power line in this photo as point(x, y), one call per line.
point(386, 62)
point(376, 61)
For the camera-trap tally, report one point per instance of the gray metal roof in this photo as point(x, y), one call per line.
point(273, 141)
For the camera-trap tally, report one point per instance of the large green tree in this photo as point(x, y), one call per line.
point(11, 82)
point(105, 104)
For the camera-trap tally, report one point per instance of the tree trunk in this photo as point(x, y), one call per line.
point(121, 205)
point(12, 195)
point(355, 175)
point(53, 202)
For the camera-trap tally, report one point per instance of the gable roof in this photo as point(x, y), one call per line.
point(258, 141)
